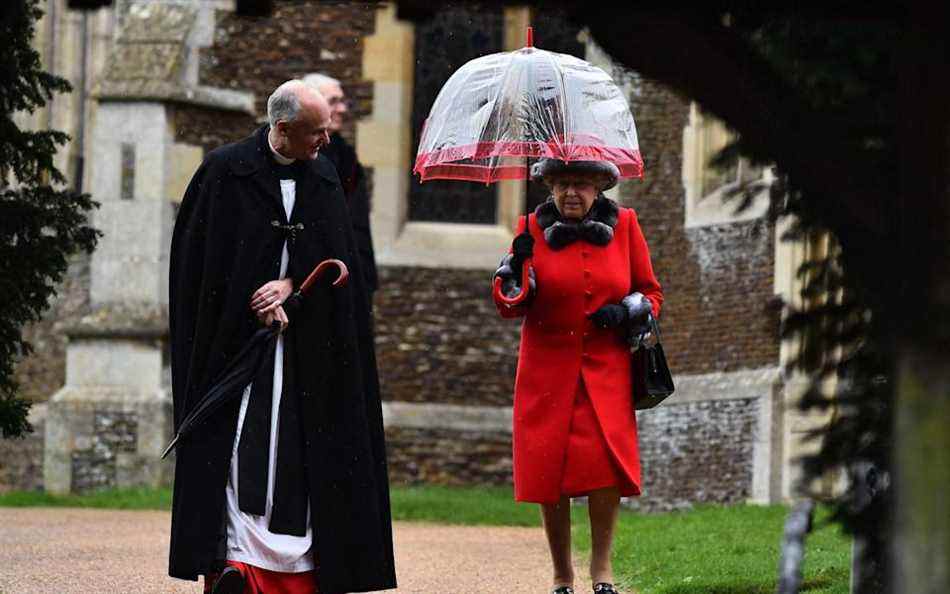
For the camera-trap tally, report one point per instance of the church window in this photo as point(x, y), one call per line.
point(708, 189)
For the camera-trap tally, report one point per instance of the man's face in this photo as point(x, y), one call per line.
point(336, 98)
point(308, 133)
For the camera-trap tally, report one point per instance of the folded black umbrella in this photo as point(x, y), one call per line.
point(241, 369)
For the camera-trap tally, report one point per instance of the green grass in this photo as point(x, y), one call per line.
point(472, 506)
point(718, 550)
point(112, 499)
point(708, 550)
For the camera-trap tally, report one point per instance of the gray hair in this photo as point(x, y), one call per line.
point(283, 104)
point(318, 79)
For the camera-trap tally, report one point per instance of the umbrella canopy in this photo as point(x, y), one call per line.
point(499, 109)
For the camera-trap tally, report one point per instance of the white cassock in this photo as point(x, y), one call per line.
point(249, 540)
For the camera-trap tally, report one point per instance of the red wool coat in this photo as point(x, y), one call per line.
point(560, 346)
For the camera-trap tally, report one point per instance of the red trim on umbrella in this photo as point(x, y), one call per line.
point(444, 163)
point(475, 173)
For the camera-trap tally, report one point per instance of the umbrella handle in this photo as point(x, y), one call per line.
point(521, 296)
point(342, 278)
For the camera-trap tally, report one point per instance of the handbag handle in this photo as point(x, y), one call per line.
point(656, 328)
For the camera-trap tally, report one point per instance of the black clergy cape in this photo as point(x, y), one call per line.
point(227, 242)
point(353, 177)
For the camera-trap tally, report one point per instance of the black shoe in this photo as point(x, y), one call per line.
point(604, 588)
point(229, 582)
point(563, 590)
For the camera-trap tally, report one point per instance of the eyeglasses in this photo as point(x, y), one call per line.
point(564, 183)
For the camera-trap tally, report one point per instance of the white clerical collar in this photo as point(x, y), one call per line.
point(277, 156)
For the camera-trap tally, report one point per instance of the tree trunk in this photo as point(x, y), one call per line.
point(922, 539)
point(921, 314)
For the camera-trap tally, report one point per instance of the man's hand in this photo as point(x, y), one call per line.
point(271, 296)
point(277, 314)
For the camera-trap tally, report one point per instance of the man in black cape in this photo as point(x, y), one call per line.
point(351, 172)
point(289, 477)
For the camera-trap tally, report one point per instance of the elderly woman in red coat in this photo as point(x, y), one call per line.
point(592, 288)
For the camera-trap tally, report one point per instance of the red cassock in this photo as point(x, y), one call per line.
point(574, 424)
point(258, 580)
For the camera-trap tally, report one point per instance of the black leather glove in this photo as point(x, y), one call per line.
point(639, 317)
point(522, 248)
point(634, 312)
point(609, 316)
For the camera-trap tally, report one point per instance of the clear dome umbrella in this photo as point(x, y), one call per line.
point(499, 111)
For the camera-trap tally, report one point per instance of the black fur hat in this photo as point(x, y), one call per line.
point(607, 170)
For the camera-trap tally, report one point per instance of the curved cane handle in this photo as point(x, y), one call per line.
point(343, 274)
point(521, 296)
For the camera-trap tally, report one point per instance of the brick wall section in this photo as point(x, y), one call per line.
point(445, 457)
point(440, 339)
point(210, 128)
point(719, 314)
point(257, 54)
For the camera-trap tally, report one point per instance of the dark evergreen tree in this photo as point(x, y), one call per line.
point(845, 71)
point(42, 223)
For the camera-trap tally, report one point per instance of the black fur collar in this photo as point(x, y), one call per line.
point(596, 228)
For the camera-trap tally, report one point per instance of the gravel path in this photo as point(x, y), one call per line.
point(104, 551)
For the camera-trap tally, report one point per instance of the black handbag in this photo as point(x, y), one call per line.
point(652, 380)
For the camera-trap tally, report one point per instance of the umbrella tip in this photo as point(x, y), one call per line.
point(530, 37)
point(170, 446)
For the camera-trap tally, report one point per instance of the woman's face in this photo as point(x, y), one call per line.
point(574, 194)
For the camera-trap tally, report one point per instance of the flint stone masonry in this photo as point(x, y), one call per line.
point(696, 452)
point(110, 440)
point(96, 467)
point(44, 371)
point(21, 459)
point(711, 442)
